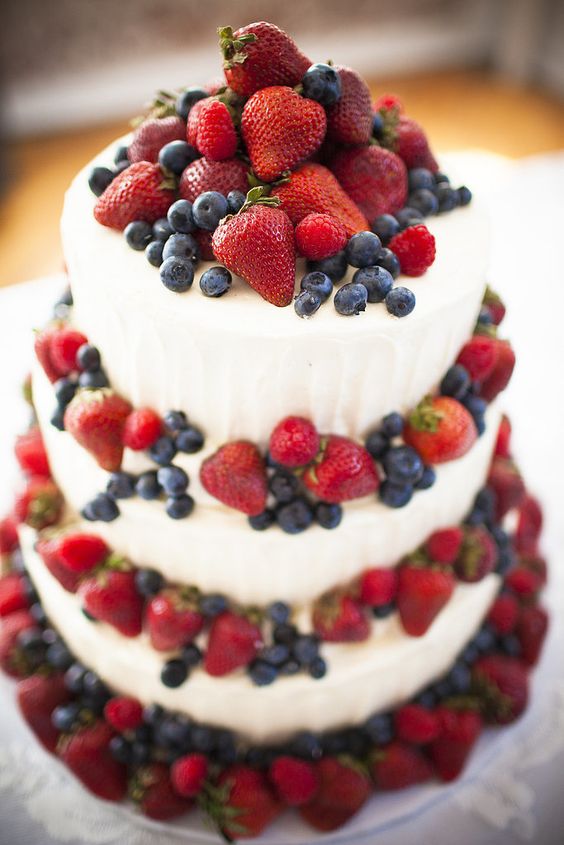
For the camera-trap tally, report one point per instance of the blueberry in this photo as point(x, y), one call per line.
point(328, 515)
point(484, 639)
point(162, 229)
point(500, 536)
point(459, 677)
point(74, 678)
point(87, 511)
point(262, 674)
point(427, 699)
point(408, 216)
point(152, 714)
point(380, 728)
point(377, 129)
point(441, 177)
point(186, 100)
point(307, 303)
point(31, 642)
point(180, 245)
point(175, 421)
point(121, 166)
point(64, 388)
point(291, 667)
point(307, 745)
point(377, 281)
point(475, 404)
point(215, 282)
point(213, 604)
point(335, 267)
point(402, 465)
point(400, 302)
point(235, 201)
point(189, 440)
point(322, 83)
point(276, 654)
point(148, 582)
point(225, 751)
point(191, 655)
point(120, 749)
point(99, 179)
point(485, 317)
point(140, 753)
point(464, 195)
point(154, 253)
point(419, 178)
point(486, 502)
point(392, 424)
point(121, 154)
point(427, 479)
point(383, 611)
point(334, 743)
point(93, 379)
point(351, 299)
point(179, 507)
point(317, 668)
point(121, 485)
point(447, 197)
point(510, 645)
point(456, 382)
point(36, 610)
point(363, 249)
point(173, 480)
point(176, 155)
point(208, 210)
point(180, 220)
point(49, 636)
point(506, 561)
point(319, 283)
point(389, 261)
point(65, 716)
point(95, 692)
point(385, 226)
point(147, 486)
point(285, 633)
point(263, 520)
point(163, 450)
point(88, 358)
point(283, 486)
point(395, 495)
point(173, 731)
point(377, 443)
point(470, 654)
point(278, 612)
point(58, 656)
point(138, 234)
point(424, 201)
point(202, 739)
point(103, 508)
point(174, 673)
point(294, 517)
point(305, 648)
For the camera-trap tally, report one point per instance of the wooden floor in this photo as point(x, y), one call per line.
point(459, 109)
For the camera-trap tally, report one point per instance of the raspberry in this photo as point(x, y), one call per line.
point(478, 357)
point(123, 714)
point(415, 249)
point(378, 586)
point(388, 102)
point(295, 781)
point(142, 427)
point(503, 613)
point(294, 442)
point(416, 724)
point(216, 136)
point(319, 236)
point(524, 582)
point(65, 343)
point(31, 454)
point(188, 774)
point(443, 546)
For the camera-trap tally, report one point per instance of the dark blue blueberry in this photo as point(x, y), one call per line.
point(147, 486)
point(31, 642)
point(65, 716)
point(390, 262)
point(189, 440)
point(283, 486)
point(505, 561)
point(154, 253)
point(470, 654)
point(485, 317)
point(392, 424)
point(181, 221)
point(291, 667)
point(175, 156)
point(152, 714)
point(295, 516)
point(319, 283)
point(383, 611)
point(278, 612)
point(162, 230)
point(140, 753)
point(215, 282)
point(263, 520)
point(87, 511)
point(213, 605)
point(163, 450)
point(328, 515)
point(235, 201)
point(120, 749)
point(175, 421)
point(334, 743)
point(148, 582)
point(424, 201)
point(447, 197)
point(138, 234)
point(173, 731)
point(335, 267)
point(510, 645)
point(186, 100)
point(36, 611)
point(475, 405)
point(317, 668)
point(65, 298)
point(427, 699)
point(322, 83)
point(74, 678)
point(93, 379)
point(262, 674)
point(420, 177)
point(121, 154)
point(49, 636)
point(408, 216)
point(377, 443)
point(173, 480)
point(307, 303)
point(58, 656)
point(377, 281)
point(379, 728)
point(191, 655)
point(99, 179)
point(202, 739)
point(275, 654)
point(427, 479)
point(500, 536)
point(184, 246)
point(377, 129)
point(88, 358)
point(443, 689)
point(440, 177)
point(121, 485)
point(285, 632)
point(356, 742)
point(351, 299)
point(402, 465)
point(102, 508)
point(94, 688)
point(464, 195)
point(305, 648)
point(258, 758)
point(385, 226)
point(179, 507)
point(174, 673)
point(459, 677)
point(486, 502)
point(400, 302)
point(64, 388)
point(363, 249)
point(306, 745)
point(121, 166)
point(395, 495)
point(456, 382)
point(208, 210)
point(485, 639)
point(225, 751)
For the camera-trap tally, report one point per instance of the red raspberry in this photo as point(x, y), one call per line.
point(188, 774)
point(478, 357)
point(503, 613)
point(294, 442)
point(31, 454)
point(142, 427)
point(416, 724)
point(524, 582)
point(388, 102)
point(295, 781)
point(378, 586)
point(320, 236)
point(123, 714)
point(502, 447)
point(65, 343)
point(443, 546)
point(216, 136)
point(415, 249)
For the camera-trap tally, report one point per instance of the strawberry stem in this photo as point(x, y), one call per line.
point(425, 417)
point(233, 49)
point(259, 196)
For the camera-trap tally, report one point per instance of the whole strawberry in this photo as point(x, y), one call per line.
point(188, 774)
point(173, 619)
point(96, 420)
point(349, 120)
point(502, 684)
point(340, 618)
point(40, 503)
point(233, 642)
point(411, 144)
point(415, 249)
point(478, 555)
point(13, 659)
point(375, 178)
point(236, 475)
point(503, 613)
point(142, 427)
point(215, 137)
point(343, 789)
point(529, 525)
point(37, 697)
point(319, 236)
point(153, 134)
point(13, 593)
point(502, 371)
point(416, 724)
point(378, 586)
point(244, 803)
point(140, 192)
point(294, 442)
point(77, 552)
point(422, 594)
point(111, 596)
point(8, 535)
point(206, 175)
point(459, 730)
point(87, 754)
point(531, 631)
point(440, 429)
point(295, 781)
point(46, 548)
point(503, 443)
point(152, 789)
point(507, 484)
point(444, 545)
point(65, 344)
point(194, 120)
point(42, 349)
point(397, 766)
point(344, 470)
point(30, 453)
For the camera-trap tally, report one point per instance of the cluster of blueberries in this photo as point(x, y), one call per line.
point(293, 512)
point(101, 177)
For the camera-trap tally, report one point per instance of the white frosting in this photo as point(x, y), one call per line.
point(363, 678)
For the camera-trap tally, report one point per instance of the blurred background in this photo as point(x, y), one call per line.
point(483, 74)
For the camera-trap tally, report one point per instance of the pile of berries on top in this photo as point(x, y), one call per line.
point(335, 178)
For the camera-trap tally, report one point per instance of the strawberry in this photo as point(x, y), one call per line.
point(188, 774)
point(65, 343)
point(258, 245)
point(236, 475)
point(459, 730)
point(388, 102)
point(8, 535)
point(281, 129)
point(343, 789)
point(295, 781)
point(503, 687)
point(502, 448)
point(503, 370)
point(86, 753)
point(12, 659)
point(375, 178)
point(440, 429)
point(112, 597)
point(40, 503)
point(506, 482)
point(340, 618)
point(13, 593)
point(344, 470)
point(503, 614)
point(66, 577)
point(78, 552)
point(123, 714)
point(96, 420)
point(415, 249)
point(172, 619)
point(444, 545)
point(524, 582)
point(397, 766)
point(416, 725)
point(294, 442)
point(152, 789)
point(494, 305)
point(259, 55)
point(378, 586)
point(319, 236)
point(478, 356)
point(243, 803)
point(205, 175)
point(194, 120)
point(422, 594)
point(141, 428)
point(233, 642)
point(478, 555)
point(30, 453)
point(216, 137)
point(529, 525)
point(536, 565)
point(42, 347)
point(349, 120)
point(140, 192)
point(531, 630)
point(37, 697)
point(153, 134)
point(313, 188)
point(411, 144)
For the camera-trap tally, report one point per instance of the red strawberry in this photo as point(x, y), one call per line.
point(343, 789)
point(378, 586)
point(152, 789)
point(416, 725)
point(88, 756)
point(344, 471)
point(536, 565)
point(387, 102)
point(295, 781)
point(259, 55)
point(172, 619)
point(503, 687)
point(294, 442)
point(188, 774)
point(39, 504)
point(258, 245)
point(415, 249)
point(13, 593)
point(233, 642)
point(506, 482)
point(205, 175)
point(65, 343)
point(478, 555)
point(502, 447)
point(153, 134)
point(412, 146)
point(320, 236)
point(459, 730)
point(216, 137)
point(422, 594)
point(236, 475)
point(503, 613)
point(138, 193)
point(42, 348)
point(529, 525)
point(141, 428)
point(204, 240)
point(525, 582)
point(123, 714)
point(31, 454)
point(339, 618)
point(440, 429)
point(444, 545)
point(244, 804)
point(8, 535)
point(66, 577)
point(478, 356)
point(78, 552)
point(12, 659)
point(375, 178)
point(495, 306)
point(531, 630)
point(503, 370)
point(349, 120)
point(96, 420)
point(313, 188)
point(38, 696)
point(194, 119)
point(397, 766)
point(112, 597)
